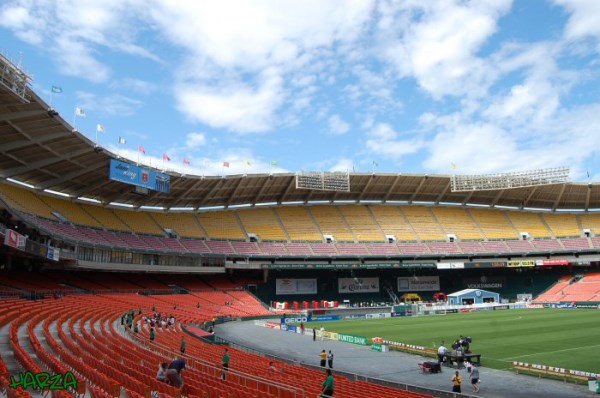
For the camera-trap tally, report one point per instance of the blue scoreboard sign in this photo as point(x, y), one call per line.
point(140, 176)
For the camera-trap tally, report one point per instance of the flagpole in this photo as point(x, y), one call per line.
point(51, 97)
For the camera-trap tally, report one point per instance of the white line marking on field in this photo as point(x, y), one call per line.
point(550, 352)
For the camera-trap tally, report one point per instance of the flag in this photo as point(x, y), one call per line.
point(141, 149)
point(453, 166)
point(186, 161)
point(122, 141)
point(57, 90)
point(225, 164)
point(273, 163)
point(248, 163)
point(79, 112)
point(100, 128)
point(375, 164)
point(166, 157)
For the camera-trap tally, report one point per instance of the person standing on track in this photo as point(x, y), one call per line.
point(475, 378)
point(323, 356)
point(456, 382)
point(330, 359)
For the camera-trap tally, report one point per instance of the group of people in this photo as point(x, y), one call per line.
point(171, 373)
point(457, 380)
point(326, 359)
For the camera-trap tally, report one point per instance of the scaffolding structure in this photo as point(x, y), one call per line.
point(14, 78)
point(323, 181)
point(519, 179)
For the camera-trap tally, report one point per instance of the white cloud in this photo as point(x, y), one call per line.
point(439, 43)
point(584, 19)
point(382, 140)
point(338, 126)
point(236, 106)
point(195, 140)
point(343, 165)
point(114, 104)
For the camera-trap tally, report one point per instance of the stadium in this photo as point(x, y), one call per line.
point(299, 199)
point(84, 246)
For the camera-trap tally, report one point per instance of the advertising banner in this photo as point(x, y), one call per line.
point(53, 253)
point(551, 263)
point(329, 266)
point(486, 264)
point(358, 285)
point(14, 239)
point(485, 282)
point(295, 286)
point(418, 283)
point(349, 338)
point(450, 265)
point(520, 263)
point(140, 176)
point(418, 264)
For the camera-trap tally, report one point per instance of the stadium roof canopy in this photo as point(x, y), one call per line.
point(40, 148)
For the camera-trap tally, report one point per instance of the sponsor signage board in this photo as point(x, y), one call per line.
point(486, 264)
point(352, 339)
point(329, 266)
point(485, 282)
point(551, 263)
point(358, 285)
point(140, 176)
point(295, 286)
point(417, 264)
point(14, 239)
point(418, 283)
point(454, 265)
point(520, 263)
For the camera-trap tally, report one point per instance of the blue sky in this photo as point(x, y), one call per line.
point(392, 86)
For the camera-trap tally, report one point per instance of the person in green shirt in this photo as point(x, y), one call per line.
point(136, 329)
point(225, 363)
point(327, 385)
point(183, 345)
point(152, 334)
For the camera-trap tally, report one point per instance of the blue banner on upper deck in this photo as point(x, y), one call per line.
point(140, 176)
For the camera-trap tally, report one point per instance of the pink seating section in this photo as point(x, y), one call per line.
point(16, 282)
point(585, 289)
point(85, 333)
point(161, 243)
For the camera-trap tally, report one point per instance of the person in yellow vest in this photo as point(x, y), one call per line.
point(323, 356)
point(456, 382)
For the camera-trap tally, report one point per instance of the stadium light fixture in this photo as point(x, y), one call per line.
point(91, 200)
point(64, 195)
point(519, 179)
point(182, 209)
point(121, 204)
point(157, 208)
point(20, 183)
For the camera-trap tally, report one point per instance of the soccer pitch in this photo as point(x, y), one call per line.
point(563, 338)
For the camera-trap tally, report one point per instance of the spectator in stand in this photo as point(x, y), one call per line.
point(330, 359)
point(327, 385)
point(225, 363)
point(136, 328)
point(273, 368)
point(183, 345)
point(323, 356)
point(162, 372)
point(174, 373)
point(152, 334)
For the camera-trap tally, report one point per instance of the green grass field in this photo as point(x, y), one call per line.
point(564, 338)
